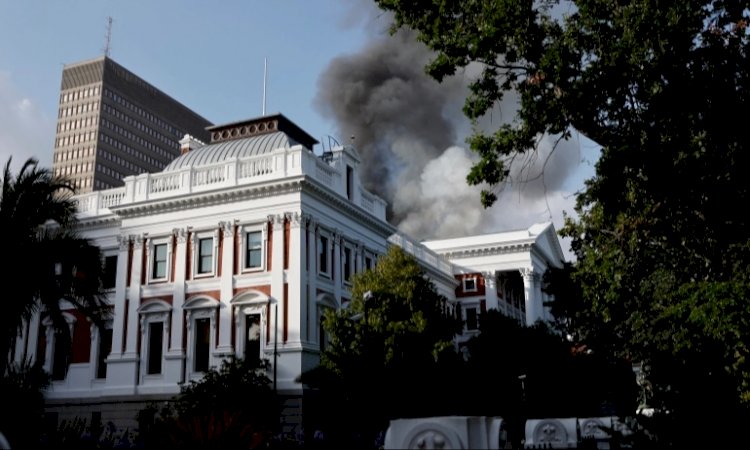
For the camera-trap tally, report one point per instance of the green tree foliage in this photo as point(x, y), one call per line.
point(662, 236)
point(532, 372)
point(230, 407)
point(45, 261)
point(390, 356)
point(22, 390)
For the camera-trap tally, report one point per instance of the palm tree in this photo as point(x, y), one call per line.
point(44, 260)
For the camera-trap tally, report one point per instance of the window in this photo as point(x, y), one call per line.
point(159, 268)
point(155, 341)
point(323, 252)
point(348, 264)
point(105, 346)
point(202, 344)
point(252, 337)
point(254, 250)
point(368, 262)
point(470, 284)
point(109, 277)
point(57, 351)
point(471, 319)
point(205, 255)
point(201, 332)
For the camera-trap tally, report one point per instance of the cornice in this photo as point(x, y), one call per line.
point(343, 205)
point(210, 198)
point(490, 250)
point(249, 192)
point(101, 221)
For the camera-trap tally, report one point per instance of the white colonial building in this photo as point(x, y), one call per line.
point(237, 248)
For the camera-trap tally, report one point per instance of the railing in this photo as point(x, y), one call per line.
point(281, 163)
point(422, 253)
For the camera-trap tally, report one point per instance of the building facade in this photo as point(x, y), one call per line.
point(112, 124)
point(237, 248)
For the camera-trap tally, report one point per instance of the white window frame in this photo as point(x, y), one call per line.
point(254, 303)
point(465, 312)
point(328, 272)
point(151, 254)
point(49, 334)
point(96, 338)
point(352, 263)
point(476, 284)
point(244, 230)
point(152, 312)
point(195, 240)
point(200, 308)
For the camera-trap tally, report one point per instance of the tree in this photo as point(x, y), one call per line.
point(232, 406)
point(388, 348)
point(536, 373)
point(663, 88)
point(45, 261)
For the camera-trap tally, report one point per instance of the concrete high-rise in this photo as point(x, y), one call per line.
point(112, 124)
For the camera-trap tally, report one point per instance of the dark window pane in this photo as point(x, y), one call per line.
point(109, 277)
point(253, 256)
point(205, 255)
point(155, 339)
point(202, 344)
point(160, 261)
point(252, 334)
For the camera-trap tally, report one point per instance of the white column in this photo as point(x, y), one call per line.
point(531, 297)
point(178, 299)
point(118, 324)
point(277, 273)
point(226, 288)
point(312, 280)
point(297, 278)
point(490, 288)
point(336, 269)
point(134, 296)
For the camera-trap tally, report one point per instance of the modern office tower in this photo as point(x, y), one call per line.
point(112, 124)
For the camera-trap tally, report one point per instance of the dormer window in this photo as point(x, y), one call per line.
point(470, 284)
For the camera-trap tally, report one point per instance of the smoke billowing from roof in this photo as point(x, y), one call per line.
point(410, 133)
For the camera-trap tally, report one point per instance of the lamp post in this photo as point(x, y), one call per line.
point(275, 338)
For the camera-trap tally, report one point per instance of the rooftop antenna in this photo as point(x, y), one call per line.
point(265, 71)
point(108, 37)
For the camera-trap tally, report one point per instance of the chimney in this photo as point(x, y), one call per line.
point(189, 143)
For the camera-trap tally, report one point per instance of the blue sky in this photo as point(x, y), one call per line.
point(209, 55)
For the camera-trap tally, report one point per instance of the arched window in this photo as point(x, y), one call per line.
point(250, 321)
point(201, 332)
point(154, 337)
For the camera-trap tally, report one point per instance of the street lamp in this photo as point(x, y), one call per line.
point(275, 338)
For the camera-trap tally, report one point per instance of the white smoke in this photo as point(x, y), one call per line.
point(410, 133)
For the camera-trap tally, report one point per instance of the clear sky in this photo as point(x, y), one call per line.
point(322, 56)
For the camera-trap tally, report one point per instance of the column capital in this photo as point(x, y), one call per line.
point(124, 242)
point(295, 219)
point(528, 273)
point(227, 228)
point(180, 234)
point(277, 220)
point(138, 241)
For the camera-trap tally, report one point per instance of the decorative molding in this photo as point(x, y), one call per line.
point(124, 242)
point(227, 229)
point(138, 241)
point(295, 219)
point(277, 220)
point(181, 234)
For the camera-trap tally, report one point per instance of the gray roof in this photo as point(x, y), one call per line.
point(236, 148)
